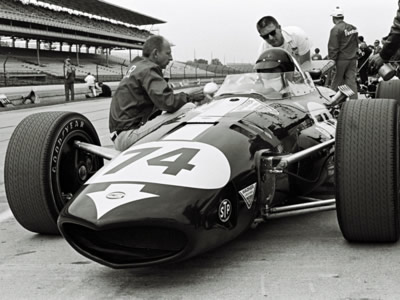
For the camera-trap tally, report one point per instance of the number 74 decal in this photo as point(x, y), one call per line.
point(188, 164)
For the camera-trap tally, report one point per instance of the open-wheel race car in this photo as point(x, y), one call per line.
point(268, 144)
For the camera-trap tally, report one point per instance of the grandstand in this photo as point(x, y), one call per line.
point(37, 36)
point(66, 28)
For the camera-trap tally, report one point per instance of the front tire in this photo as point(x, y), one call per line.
point(43, 169)
point(366, 170)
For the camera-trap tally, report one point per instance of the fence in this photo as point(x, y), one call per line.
point(19, 72)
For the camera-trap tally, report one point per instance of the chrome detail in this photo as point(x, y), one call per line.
point(103, 152)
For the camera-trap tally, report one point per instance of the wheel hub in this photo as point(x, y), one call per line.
point(83, 173)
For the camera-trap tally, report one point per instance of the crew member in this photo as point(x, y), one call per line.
point(342, 48)
point(143, 93)
point(291, 38)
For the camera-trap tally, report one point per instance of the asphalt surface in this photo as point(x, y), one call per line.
point(302, 257)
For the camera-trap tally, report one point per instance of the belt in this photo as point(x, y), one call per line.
point(114, 135)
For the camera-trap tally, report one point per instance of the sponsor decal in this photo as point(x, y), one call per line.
point(129, 72)
point(350, 32)
point(225, 210)
point(248, 194)
point(65, 131)
point(116, 195)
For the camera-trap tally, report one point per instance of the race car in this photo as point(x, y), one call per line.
point(268, 144)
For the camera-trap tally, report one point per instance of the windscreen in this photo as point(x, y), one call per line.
point(270, 85)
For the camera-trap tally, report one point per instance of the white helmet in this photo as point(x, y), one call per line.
point(210, 88)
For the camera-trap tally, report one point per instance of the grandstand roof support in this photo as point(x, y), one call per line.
point(78, 49)
point(37, 51)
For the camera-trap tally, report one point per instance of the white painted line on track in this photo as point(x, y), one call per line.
point(5, 215)
point(263, 292)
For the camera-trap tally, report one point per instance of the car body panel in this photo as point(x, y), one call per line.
point(191, 184)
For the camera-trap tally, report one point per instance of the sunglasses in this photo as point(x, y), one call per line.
point(271, 33)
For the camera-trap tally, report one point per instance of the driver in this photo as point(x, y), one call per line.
point(274, 60)
point(277, 62)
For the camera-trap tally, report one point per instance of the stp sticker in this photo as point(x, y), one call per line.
point(178, 163)
point(225, 210)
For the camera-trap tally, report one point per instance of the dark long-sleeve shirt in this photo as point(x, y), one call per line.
point(141, 92)
point(392, 43)
point(343, 42)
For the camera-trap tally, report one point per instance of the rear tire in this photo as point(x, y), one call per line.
point(366, 170)
point(389, 90)
point(43, 170)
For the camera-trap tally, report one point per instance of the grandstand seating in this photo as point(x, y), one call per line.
point(20, 66)
point(15, 9)
point(19, 62)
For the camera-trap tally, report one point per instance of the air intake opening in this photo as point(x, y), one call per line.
point(126, 245)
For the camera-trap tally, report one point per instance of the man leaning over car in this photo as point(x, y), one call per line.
point(143, 94)
point(291, 38)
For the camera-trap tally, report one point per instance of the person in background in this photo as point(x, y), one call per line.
point(316, 55)
point(291, 38)
point(342, 48)
point(105, 90)
point(391, 44)
point(364, 53)
point(377, 47)
point(91, 84)
point(143, 101)
point(69, 79)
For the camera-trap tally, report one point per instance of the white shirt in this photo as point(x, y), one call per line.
point(90, 80)
point(295, 42)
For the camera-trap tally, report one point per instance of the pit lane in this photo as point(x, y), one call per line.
point(303, 257)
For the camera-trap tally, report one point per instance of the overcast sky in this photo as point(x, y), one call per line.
point(225, 29)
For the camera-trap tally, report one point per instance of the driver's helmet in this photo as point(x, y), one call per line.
point(274, 60)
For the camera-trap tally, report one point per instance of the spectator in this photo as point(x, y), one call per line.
point(143, 94)
point(342, 48)
point(363, 54)
point(31, 97)
point(391, 44)
point(361, 42)
point(69, 81)
point(316, 55)
point(377, 47)
point(91, 84)
point(291, 38)
point(105, 90)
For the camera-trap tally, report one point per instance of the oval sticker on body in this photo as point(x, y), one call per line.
point(183, 163)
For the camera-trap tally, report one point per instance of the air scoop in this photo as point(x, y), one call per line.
point(343, 93)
